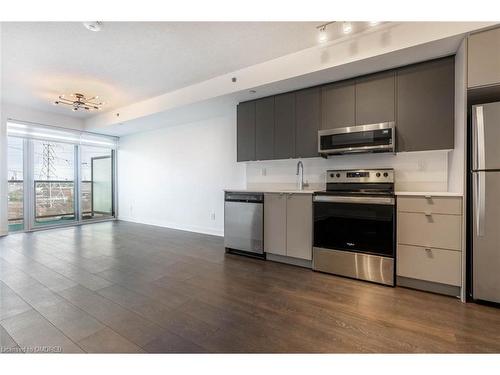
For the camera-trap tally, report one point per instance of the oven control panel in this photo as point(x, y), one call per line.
point(360, 176)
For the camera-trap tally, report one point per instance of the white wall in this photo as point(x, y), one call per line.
point(175, 176)
point(17, 112)
point(414, 171)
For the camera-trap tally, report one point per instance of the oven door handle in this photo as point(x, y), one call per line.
point(362, 200)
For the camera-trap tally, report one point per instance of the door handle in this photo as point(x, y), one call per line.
point(479, 141)
point(480, 202)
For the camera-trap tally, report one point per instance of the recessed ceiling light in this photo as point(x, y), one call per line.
point(374, 23)
point(93, 26)
point(346, 27)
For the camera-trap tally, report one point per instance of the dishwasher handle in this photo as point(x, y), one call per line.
point(244, 197)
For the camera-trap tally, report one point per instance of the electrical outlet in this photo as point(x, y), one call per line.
point(212, 216)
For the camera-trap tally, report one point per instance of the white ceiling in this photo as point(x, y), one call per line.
point(130, 61)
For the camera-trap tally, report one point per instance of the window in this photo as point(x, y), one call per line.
point(58, 176)
point(15, 177)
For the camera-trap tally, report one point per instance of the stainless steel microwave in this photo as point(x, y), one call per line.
point(379, 137)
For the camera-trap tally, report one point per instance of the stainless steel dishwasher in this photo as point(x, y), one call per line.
point(244, 223)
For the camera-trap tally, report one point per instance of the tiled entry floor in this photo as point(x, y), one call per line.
point(123, 287)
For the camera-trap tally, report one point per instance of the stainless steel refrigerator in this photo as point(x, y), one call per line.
point(486, 202)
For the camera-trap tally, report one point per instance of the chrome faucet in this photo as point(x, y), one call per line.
point(300, 173)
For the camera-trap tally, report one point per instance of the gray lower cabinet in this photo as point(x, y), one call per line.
point(245, 131)
point(338, 105)
point(425, 106)
point(275, 223)
point(308, 118)
point(376, 98)
point(264, 128)
point(299, 226)
point(429, 243)
point(284, 126)
point(288, 225)
point(483, 66)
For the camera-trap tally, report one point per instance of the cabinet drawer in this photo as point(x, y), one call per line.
point(430, 264)
point(441, 231)
point(431, 204)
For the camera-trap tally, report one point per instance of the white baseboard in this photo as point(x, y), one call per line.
point(195, 229)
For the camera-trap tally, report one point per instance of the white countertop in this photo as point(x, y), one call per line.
point(305, 191)
point(430, 193)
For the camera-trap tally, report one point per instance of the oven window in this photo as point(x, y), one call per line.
point(367, 228)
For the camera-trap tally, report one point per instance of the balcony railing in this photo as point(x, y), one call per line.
point(15, 207)
point(54, 200)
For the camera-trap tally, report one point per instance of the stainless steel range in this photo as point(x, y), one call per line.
point(354, 225)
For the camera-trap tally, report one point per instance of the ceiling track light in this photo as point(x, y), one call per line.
point(80, 102)
point(323, 35)
point(346, 27)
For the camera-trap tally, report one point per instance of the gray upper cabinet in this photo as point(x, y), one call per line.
point(376, 98)
point(420, 98)
point(264, 128)
point(484, 59)
point(308, 118)
point(284, 126)
point(245, 131)
point(338, 105)
point(425, 106)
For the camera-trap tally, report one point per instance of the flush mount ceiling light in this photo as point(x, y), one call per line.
point(93, 26)
point(322, 34)
point(80, 102)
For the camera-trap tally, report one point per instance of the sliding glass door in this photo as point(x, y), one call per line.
point(15, 167)
point(58, 177)
point(53, 183)
point(96, 182)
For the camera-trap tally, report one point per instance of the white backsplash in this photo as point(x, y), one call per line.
point(414, 171)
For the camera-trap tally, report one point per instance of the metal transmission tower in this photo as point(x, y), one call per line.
point(48, 170)
point(52, 192)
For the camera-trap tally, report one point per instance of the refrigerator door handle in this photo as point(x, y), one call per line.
point(479, 139)
point(479, 198)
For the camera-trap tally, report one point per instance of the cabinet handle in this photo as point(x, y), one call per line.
point(428, 249)
point(428, 213)
point(428, 197)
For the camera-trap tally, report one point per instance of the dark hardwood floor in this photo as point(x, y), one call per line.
point(123, 287)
